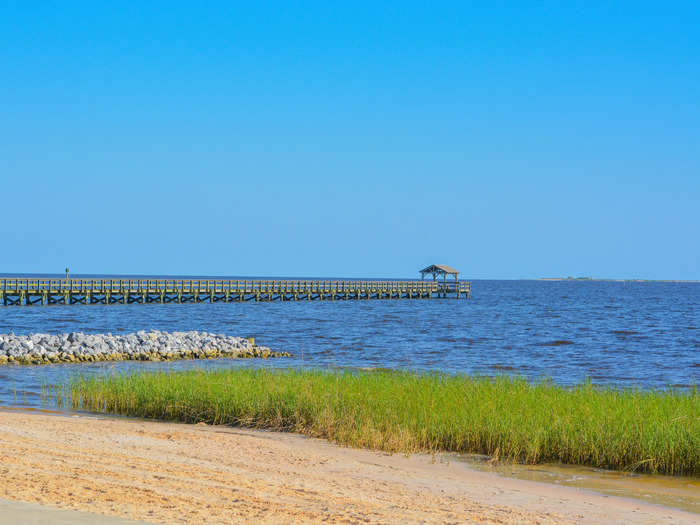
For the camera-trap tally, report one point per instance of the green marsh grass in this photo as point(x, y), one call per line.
point(508, 418)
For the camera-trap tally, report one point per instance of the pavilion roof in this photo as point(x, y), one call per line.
point(439, 268)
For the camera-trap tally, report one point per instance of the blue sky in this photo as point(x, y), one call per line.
point(351, 139)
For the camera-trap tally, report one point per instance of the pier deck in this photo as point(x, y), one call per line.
point(142, 291)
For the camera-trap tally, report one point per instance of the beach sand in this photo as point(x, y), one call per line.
point(175, 473)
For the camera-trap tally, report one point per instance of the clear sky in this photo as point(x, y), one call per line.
point(507, 139)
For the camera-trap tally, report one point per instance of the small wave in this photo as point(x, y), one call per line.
point(624, 332)
point(504, 367)
point(558, 342)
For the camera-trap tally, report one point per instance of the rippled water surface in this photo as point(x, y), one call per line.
point(627, 334)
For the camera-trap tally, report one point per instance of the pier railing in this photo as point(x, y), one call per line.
point(108, 291)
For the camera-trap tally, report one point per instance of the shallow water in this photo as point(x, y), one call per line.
point(626, 334)
point(672, 491)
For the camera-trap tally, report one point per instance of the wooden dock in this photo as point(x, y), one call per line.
point(144, 291)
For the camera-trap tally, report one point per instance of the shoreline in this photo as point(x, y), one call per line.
point(505, 418)
point(173, 472)
point(680, 493)
point(612, 280)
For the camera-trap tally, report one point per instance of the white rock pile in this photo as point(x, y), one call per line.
point(77, 347)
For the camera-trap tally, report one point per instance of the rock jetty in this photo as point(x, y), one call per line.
point(77, 347)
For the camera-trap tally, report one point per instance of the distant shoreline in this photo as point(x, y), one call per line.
point(604, 280)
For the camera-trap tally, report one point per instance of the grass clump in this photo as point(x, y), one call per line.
point(510, 418)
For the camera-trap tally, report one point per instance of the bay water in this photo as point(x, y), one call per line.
point(626, 334)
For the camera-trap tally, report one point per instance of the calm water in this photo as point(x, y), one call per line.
point(626, 334)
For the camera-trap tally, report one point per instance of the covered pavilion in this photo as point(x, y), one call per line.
point(439, 270)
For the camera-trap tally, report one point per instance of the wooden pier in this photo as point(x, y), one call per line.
point(143, 291)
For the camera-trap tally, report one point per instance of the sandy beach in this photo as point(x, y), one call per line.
point(175, 473)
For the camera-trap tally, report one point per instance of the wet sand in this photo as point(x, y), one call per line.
point(680, 492)
point(175, 473)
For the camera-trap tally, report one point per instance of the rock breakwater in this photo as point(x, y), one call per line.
point(77, 347)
